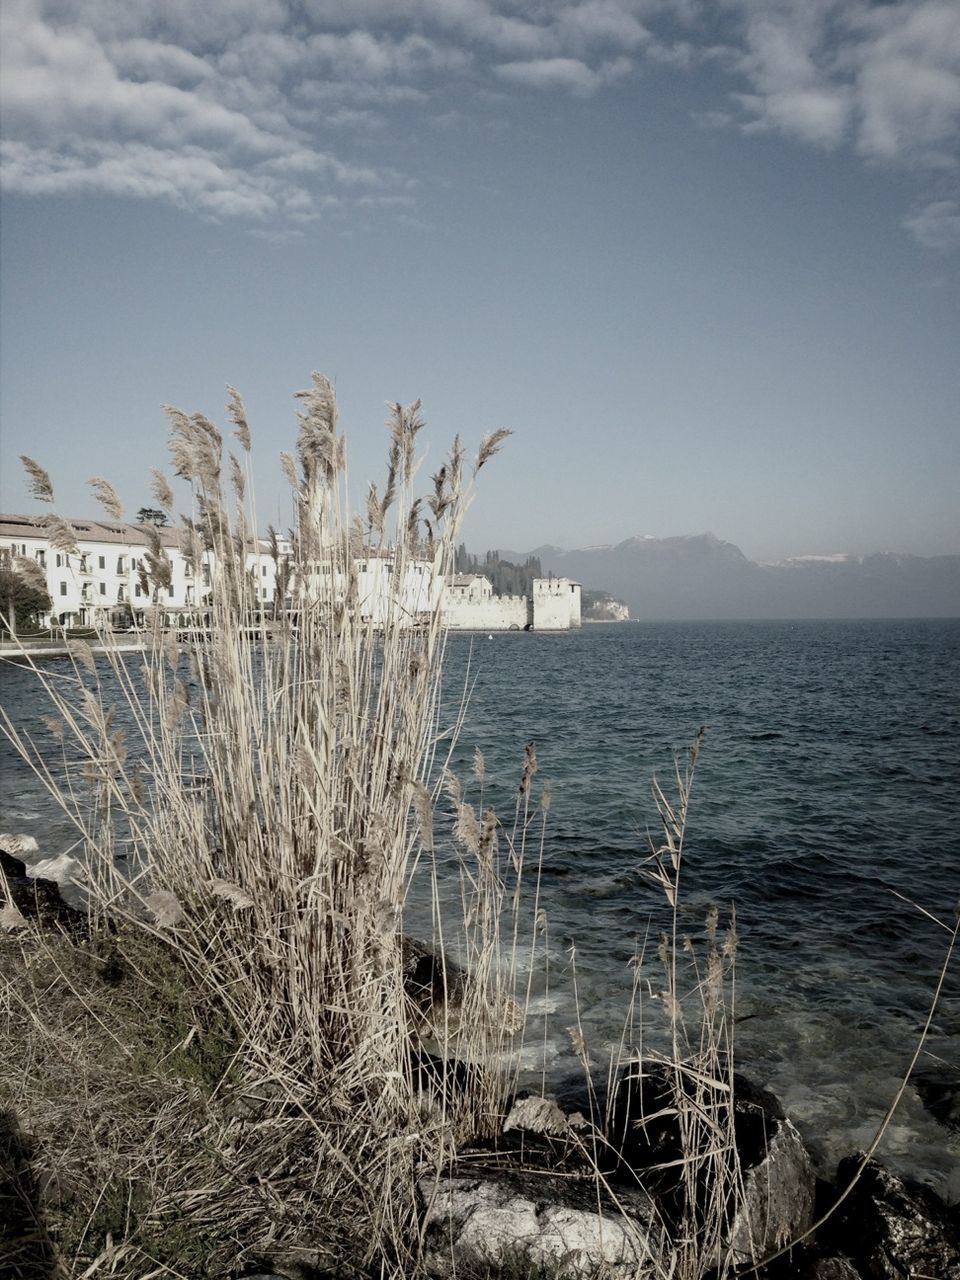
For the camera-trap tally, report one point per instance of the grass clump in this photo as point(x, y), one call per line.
point(251, 809)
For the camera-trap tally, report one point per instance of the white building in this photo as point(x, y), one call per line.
point(102, 583)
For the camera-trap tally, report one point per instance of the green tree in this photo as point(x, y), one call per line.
point(23, 594)
point(152, 515)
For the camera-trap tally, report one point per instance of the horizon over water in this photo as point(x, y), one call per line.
point(827, 783)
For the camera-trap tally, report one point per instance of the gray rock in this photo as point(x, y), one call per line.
point(893, 1229)
point(778, 1201)
point(36, 898)
point(501, 1216)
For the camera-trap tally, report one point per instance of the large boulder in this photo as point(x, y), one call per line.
point(894, 1230)
point(498, 1217)
point(440, 993)
point(777, 1175)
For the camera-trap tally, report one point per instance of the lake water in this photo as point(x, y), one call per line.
point(828, 779)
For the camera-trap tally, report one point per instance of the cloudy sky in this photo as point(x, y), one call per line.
point(702, 257)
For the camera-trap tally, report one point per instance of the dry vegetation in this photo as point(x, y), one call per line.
point(232, 1066)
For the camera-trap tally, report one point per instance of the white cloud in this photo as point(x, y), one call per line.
point(563, 73)
point(258, 88)
point(936, 225)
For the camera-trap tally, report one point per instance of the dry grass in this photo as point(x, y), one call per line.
point(253, 807)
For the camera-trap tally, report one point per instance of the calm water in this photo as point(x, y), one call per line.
point(829, 777)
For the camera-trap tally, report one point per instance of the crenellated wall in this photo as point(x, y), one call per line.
point(491, 613)
point(556, 604)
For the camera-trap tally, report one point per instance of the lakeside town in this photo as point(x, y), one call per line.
point(107, 581)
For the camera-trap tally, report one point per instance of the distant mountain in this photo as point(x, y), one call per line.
point(701, 576)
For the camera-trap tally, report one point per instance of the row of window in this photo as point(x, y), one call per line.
point(121, 591)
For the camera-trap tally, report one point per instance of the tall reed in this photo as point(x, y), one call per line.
point(263, 811)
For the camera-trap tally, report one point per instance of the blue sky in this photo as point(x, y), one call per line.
point(702, 258)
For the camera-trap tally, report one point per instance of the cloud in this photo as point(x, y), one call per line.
point(886, 77)
point(188, 177)
point(936, 225)
point(147, 119)
point(563, 73)
point(264, 91)
point(908, 83)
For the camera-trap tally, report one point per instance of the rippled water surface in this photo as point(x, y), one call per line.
point(828, 778)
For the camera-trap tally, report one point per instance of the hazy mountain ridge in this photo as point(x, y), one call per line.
point(702, 576)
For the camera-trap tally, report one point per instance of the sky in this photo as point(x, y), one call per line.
point(702, 258)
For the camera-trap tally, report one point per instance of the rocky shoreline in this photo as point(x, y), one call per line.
point(556, 1190)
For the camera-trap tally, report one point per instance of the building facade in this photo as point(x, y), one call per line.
point(103, 583)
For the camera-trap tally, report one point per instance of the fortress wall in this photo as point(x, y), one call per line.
point(495, 613)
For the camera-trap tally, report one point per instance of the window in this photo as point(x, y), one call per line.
point(63, 588)
point(120, 565)
point(102, 561)
point(42, 559)
point(121, 594)
point(263, 571)
point(103, 588)
point(138, 590)
point(171, 593)
point(59, 560)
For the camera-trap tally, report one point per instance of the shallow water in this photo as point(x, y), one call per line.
point(828, 778)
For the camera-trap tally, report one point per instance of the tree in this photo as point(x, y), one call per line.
point(152, 515)
point(23, 594)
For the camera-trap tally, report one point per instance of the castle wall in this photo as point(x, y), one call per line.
point(493, 613)
point(556, 604)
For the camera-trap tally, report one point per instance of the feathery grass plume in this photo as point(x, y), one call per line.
point(238, 480)
point(40, 486)
point(529, 767)
point(375, 512)
point(491, 445)
point(160, 488)
point(319, 447)
point(238, 416)
point(289, 468)
point(60, 532)
point(107, 496)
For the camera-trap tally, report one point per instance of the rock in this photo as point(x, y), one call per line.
point(498, 1217)
point(778, 1199)
point(779, 1182)
point(832, 1268)
point(434, 985)
point(892, 1229)
point(14, 844)
point(436, 988)
point(38, 898)
point(62, 870)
